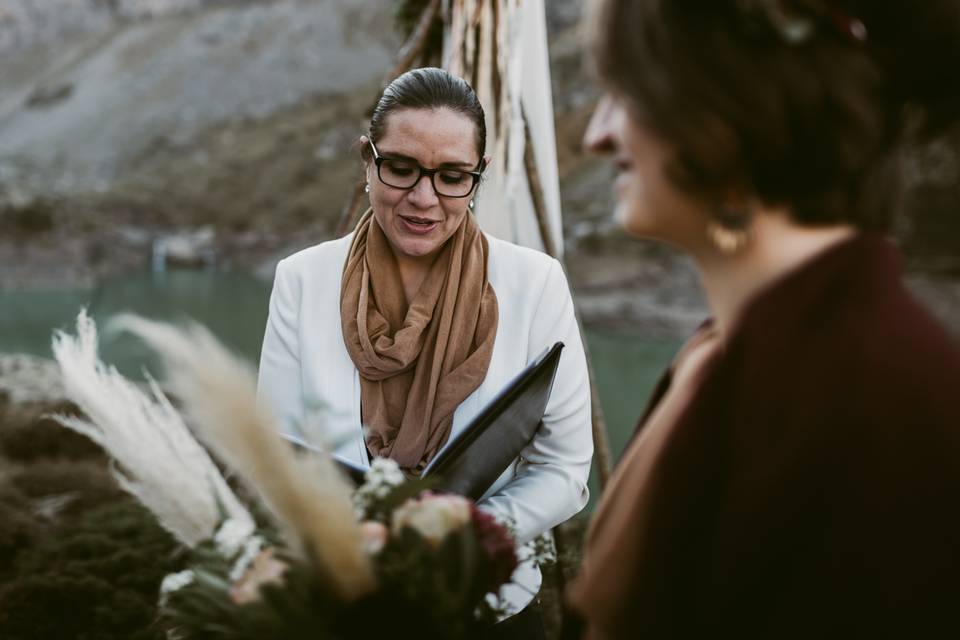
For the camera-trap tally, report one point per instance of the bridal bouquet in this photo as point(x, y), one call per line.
point(302, 553)
point(434, 559)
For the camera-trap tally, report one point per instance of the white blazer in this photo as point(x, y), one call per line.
point(305, 369)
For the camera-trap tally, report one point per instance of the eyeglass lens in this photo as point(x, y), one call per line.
point(403, 175)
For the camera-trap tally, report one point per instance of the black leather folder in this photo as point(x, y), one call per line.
point(470, 462)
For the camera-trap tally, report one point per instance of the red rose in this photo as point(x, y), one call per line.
point(497, 545)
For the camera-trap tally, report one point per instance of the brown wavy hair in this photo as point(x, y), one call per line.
point(813, 122)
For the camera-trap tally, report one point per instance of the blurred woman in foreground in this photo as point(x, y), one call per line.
point(798, 469)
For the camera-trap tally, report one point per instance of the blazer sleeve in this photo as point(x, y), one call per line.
point(279, 378)
point(550, 484)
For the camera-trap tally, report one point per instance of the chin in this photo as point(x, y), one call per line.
point(632, 221)
point(418, 249)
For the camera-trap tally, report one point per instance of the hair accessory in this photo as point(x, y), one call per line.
point(850, 26)
point(796, 21)
point(366, 189)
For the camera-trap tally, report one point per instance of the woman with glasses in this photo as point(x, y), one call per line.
point(797, 472)
point(410, 325)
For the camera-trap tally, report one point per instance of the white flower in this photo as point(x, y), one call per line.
point(433, 516)
point(385, 471)
point(232, 535)
point(384, 474)
point(174, 582)
point(541, 551)
point(250, 551)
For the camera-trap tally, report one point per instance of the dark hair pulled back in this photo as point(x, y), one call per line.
point(428, 88)
point(812, 120)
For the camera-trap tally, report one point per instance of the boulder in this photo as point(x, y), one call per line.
point(185, 249)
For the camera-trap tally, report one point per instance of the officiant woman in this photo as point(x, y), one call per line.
point(797, 471)
point(411, 324)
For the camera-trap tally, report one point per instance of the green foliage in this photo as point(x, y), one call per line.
point(203, 610)
point(424, 589)
point(84, 483)
point(423, 593)
point(431, 587)
point(17, 527)
point(90, 568)
point(33, 436)
point(49, 605)
point(380, 509)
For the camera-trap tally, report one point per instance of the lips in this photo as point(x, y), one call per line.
point(417, 225)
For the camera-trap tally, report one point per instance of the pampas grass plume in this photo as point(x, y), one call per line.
point(159, 461)
point(308, 494)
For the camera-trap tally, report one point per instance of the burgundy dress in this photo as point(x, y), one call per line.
point(800, 479)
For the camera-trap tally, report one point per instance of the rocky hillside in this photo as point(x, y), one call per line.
point(117, 126)
point(124, 121)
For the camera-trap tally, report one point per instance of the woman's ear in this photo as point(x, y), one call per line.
point(486, 162)
point(365, 155)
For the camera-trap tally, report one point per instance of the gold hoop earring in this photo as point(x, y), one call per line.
point(728, 241)
point(730, 230)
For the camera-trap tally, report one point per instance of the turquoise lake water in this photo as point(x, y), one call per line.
point(234, 306)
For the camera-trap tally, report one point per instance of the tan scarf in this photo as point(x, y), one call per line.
point(416, 364)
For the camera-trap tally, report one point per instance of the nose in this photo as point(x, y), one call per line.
point(422, 195)
point(598, 138)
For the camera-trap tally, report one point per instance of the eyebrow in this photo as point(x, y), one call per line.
point(443, 165)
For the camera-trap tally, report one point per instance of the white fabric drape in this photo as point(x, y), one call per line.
point(500, 47)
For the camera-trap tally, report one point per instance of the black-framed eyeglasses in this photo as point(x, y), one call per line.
point(405, 174)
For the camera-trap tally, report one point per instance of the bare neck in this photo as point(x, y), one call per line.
point(778, 246)
point(413, 271)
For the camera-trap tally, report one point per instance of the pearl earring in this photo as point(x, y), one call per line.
point(366, 189)
point(470, 204)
